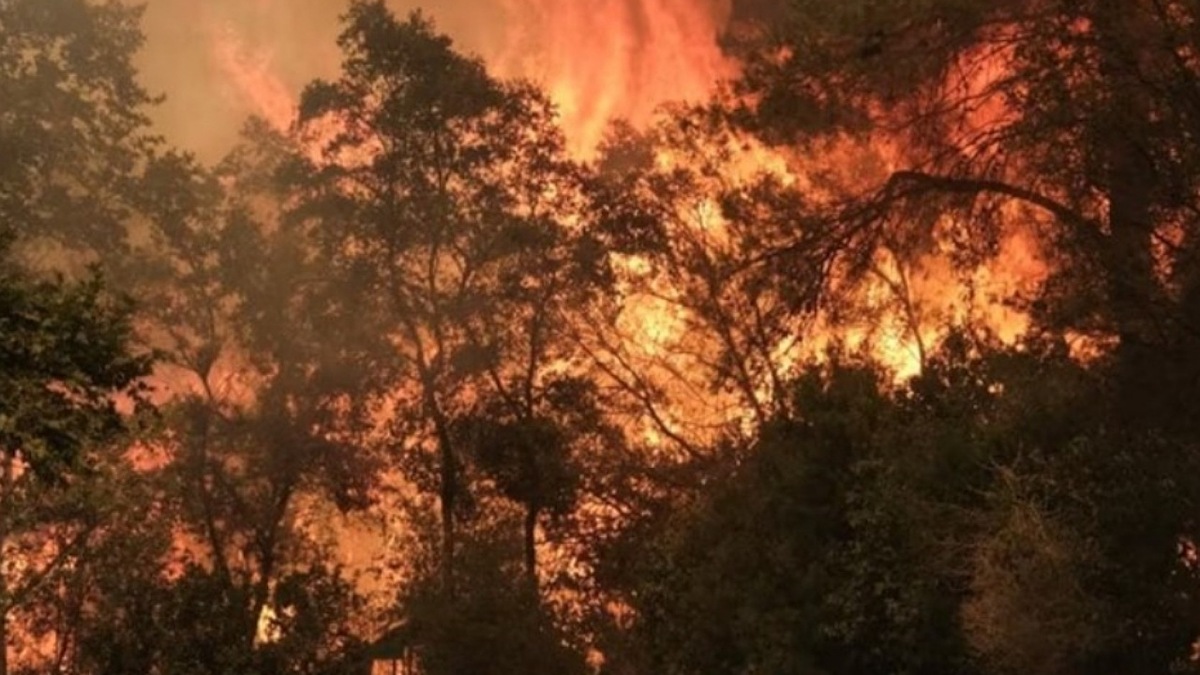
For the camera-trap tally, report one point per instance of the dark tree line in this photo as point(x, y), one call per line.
point(608, 416)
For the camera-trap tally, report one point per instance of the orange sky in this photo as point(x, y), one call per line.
point(219, 60)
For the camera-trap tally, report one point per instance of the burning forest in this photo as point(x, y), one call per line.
point(609, 336)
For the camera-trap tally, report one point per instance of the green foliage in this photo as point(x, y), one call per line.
point(977, 520)
point(66, 365)
point(492, 625)
point(316, 614)
point(532, 458)
point(74, 121)
point(192, 624)
point(66, 355)
point(813, 556)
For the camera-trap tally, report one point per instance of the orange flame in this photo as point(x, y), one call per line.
point(598, 61)
point(616, 58)
point(609, 59)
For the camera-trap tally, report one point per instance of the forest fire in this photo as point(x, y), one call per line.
point(654, 52)
point(619, 336)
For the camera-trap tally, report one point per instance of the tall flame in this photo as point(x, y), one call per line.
point(598, 60)
point(615, 58)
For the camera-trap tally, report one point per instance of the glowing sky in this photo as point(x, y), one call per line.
point(219, 60)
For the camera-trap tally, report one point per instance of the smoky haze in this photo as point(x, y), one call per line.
point(218, 61)
point(292, 41)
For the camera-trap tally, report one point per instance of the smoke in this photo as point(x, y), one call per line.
point(218, 61)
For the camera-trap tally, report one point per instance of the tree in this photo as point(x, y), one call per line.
point(1079, 111)
point(67, 357)
point(104, 614)
point(816, 554)
point(975, 520)
point(266, 415)
point(705, 321)
point(74, 125)
point(491, 625)
point(529, 441)
point(435, 180)
point(72, 131)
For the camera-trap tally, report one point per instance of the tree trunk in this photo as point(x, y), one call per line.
point(1128, 258)
point(447, 473)
point(531, 519)
point(448, 490)
point(447, 498)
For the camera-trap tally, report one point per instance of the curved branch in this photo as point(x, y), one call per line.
point(917, 182)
